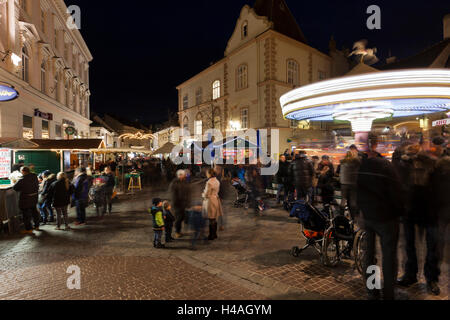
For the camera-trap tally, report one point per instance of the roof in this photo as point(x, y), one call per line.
point(279, 14)
point(422, 60)
point(77, 144)
point(14, 143)
point(361, 68)
point(165, 149)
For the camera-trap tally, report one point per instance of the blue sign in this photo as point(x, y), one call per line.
point(7, 93)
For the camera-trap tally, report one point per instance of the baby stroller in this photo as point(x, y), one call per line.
point(242, 193)
point(314, 224)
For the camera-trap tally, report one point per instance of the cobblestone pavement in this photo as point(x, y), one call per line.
point(251, 260)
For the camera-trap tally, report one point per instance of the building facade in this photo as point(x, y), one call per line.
point(47, 62)
point(266, 56)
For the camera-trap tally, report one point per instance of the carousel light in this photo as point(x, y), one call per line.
point(364, 98)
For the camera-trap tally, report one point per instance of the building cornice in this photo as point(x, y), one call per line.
point(75, 33)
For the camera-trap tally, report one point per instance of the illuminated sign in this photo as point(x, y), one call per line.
point(444, 122)
point(7, 93)
point(5, 163)
point(43, 115)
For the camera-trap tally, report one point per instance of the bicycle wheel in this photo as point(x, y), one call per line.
point(359, 250)
point(331, 250)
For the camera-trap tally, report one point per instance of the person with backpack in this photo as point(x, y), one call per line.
point(81, 195)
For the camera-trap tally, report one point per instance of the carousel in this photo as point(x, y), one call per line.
point(372, 97)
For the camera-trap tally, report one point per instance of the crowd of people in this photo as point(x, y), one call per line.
point(44, 196)
point(381, 195)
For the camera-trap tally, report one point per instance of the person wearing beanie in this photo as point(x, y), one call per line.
point(158, 222)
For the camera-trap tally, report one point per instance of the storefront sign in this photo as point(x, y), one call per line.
point(68, 122)
point(43, 115)
point(7, 93)
point(444, 122)
point(5, 163)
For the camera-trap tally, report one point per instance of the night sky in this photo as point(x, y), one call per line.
point(143, 49)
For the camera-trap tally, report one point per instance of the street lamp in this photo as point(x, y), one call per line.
point(235, 125)
point(14, 57)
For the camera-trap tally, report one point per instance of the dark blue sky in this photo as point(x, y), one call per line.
point(143, 49)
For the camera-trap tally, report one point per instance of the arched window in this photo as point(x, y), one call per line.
point(217, 120)
point(55, 90)
point(66, 93)
point(25, 64)
point(242, 77)
point(216, 90)
point(198, 128)
point(244, 30)
point(185, 126)
point(292, 72)
point(43, 77)
point(199, 96)
point(185, 102)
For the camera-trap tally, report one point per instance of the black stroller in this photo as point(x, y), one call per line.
point(242, 193)
point(314, 224)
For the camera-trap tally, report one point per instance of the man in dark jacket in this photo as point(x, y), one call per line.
point(301, 171)
point(81, 194)
point(180, 192)
point(283, 179)
point(110, 183)
point(28, 186)
point(420, 211)
point(44, 205)
point(379, 199)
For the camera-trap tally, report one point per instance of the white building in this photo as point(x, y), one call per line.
point(171, 134)
point(51, 76)
point(266, 56)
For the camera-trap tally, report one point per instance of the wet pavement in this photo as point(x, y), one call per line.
point(250, 260)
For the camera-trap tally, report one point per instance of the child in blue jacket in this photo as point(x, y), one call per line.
point(158, 222)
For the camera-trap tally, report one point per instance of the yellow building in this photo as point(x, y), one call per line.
point(266, 56)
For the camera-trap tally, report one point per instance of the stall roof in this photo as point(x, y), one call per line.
point(121, 150)
point(17, 143)
point(165, 149)
point(76, 144)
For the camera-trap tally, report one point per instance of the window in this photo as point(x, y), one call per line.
point(185, 125)
point(185, 102)
point(199, 127)
point(292, 73)
point(23, 5)
point(199, 96)
point(43, 75)
point(66, 93)
point(216, 90)
point(322, 75)
point(43, 21)
point(25, 64)
point(242, 77)
point(244, 29)
point(55, 89)
point(27, 127)
point(45, 131)
point(244, 119)
point(58, 131)
point(217, 123)
point(294, 124)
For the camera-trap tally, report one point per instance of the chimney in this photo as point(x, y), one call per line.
point(447, 26)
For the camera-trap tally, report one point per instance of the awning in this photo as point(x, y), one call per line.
point(165, 149)
point(17, 143)
point(76, 144)
point(121, 150)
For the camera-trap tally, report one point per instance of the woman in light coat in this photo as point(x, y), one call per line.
point(212, 206)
